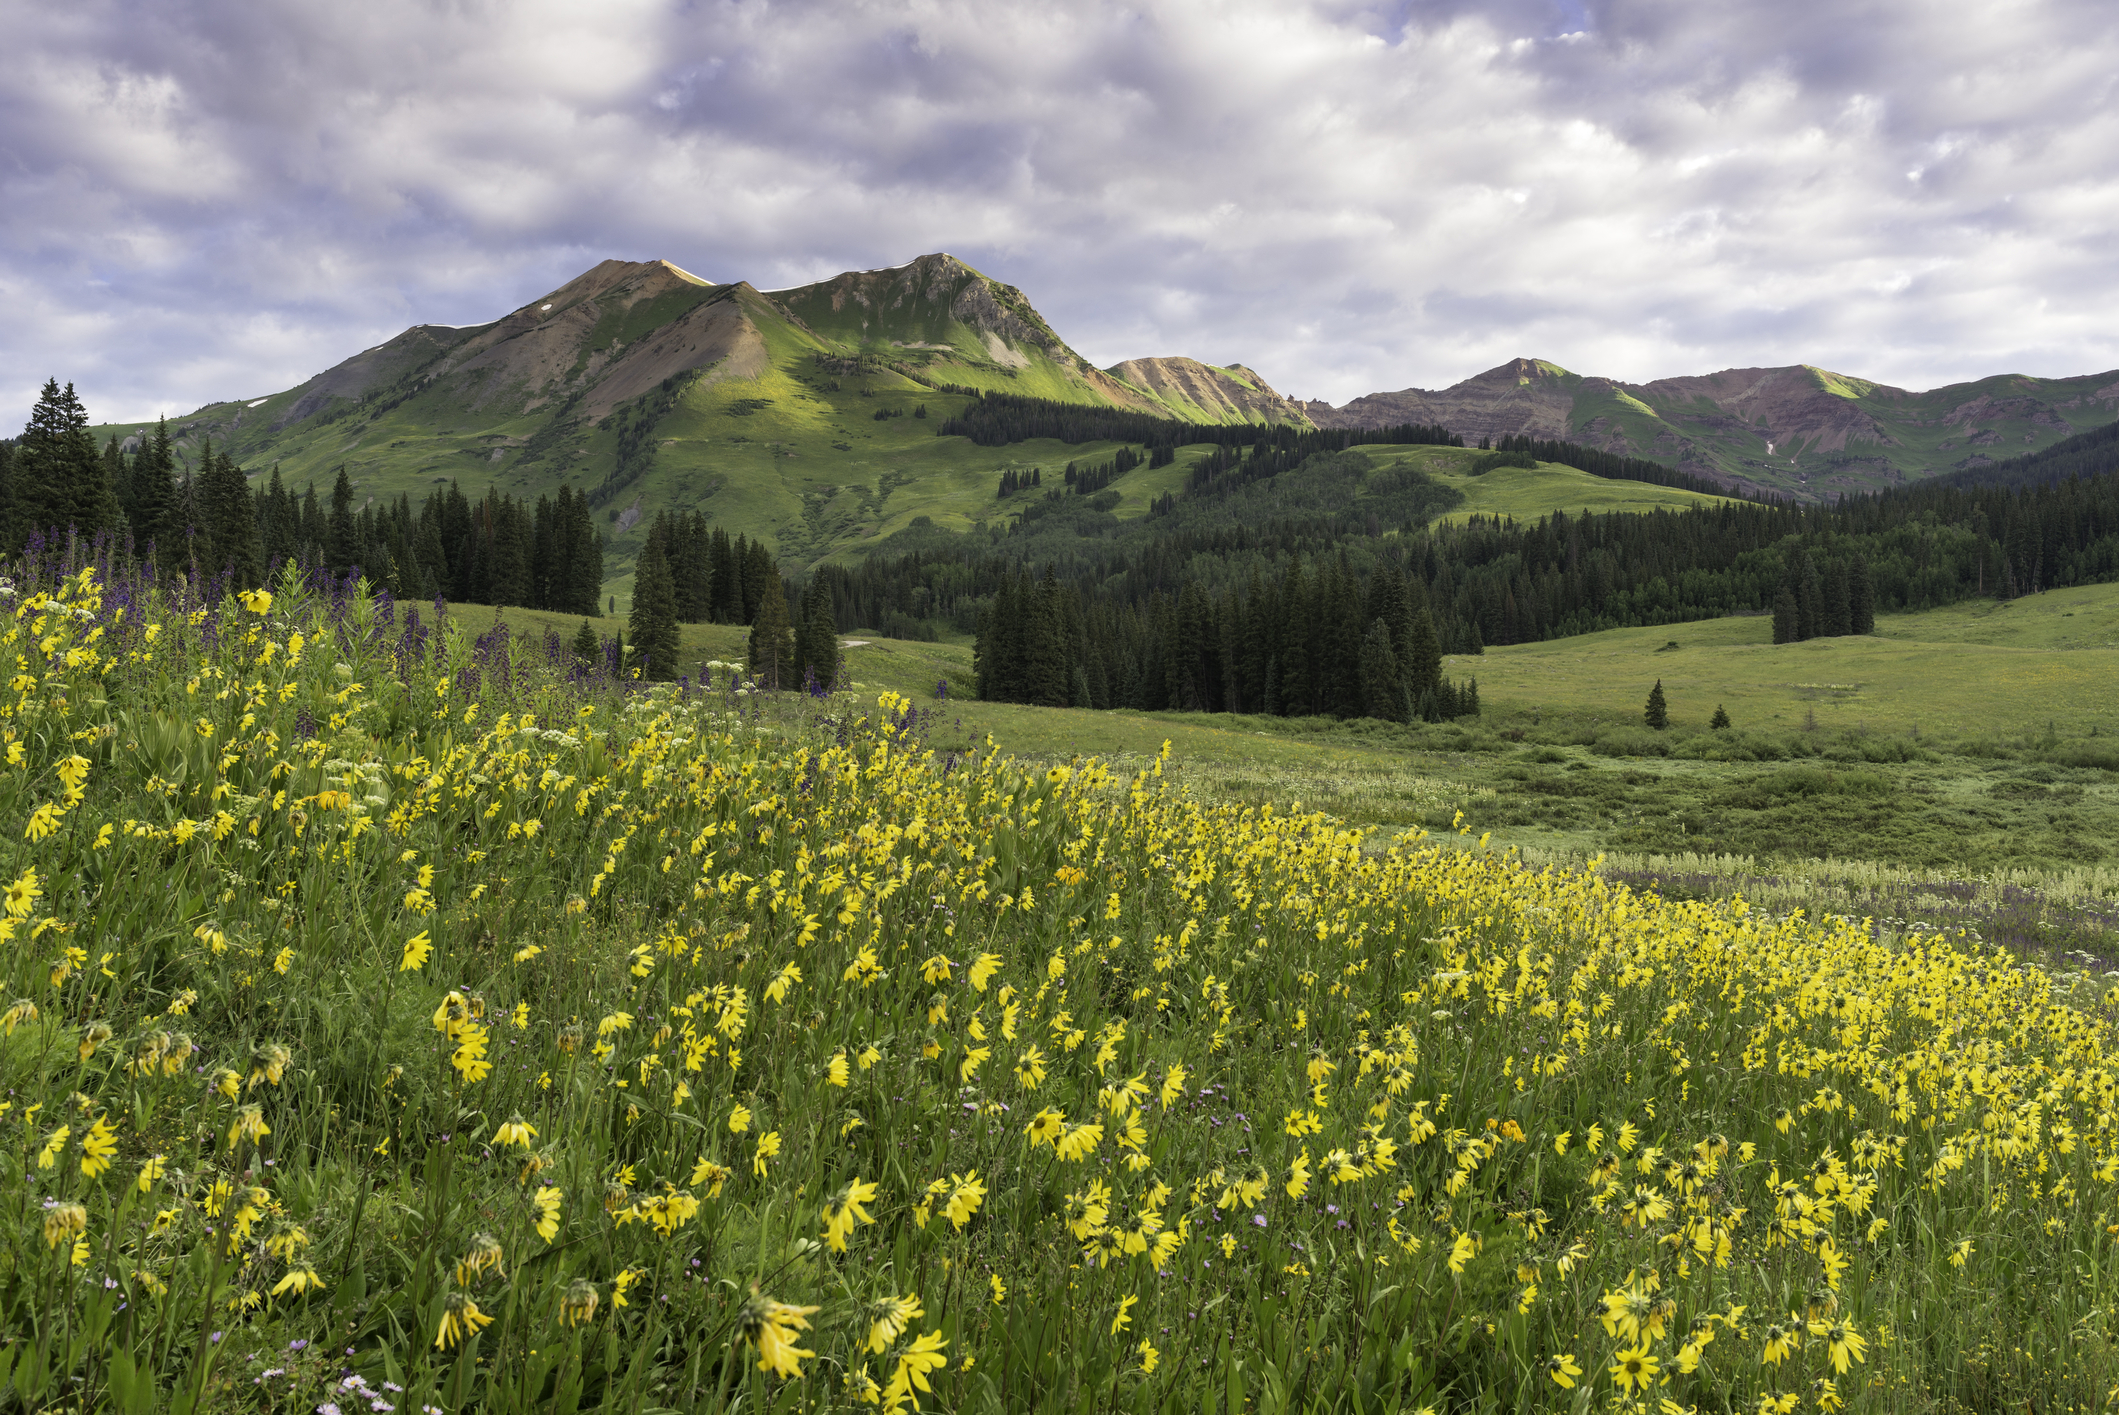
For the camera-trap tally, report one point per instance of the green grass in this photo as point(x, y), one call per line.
point(1922, 747)
point(1528, 494)
point(371, 1040)
point(1970, 669)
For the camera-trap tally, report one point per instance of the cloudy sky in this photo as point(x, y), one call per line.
point(205, 199)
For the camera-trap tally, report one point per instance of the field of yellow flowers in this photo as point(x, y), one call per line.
point(400, 1019)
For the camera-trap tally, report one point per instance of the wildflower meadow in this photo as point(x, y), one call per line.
point(404, 1015)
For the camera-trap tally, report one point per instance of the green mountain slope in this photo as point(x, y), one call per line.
point(795, 415)
point(1799, 430)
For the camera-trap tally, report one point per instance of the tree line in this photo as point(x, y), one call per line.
point(1310, 643)
point(997, 419)
point(200, 514)
point(1608, 465)
point(690, 572)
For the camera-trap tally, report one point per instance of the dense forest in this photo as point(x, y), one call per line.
point(1260, 528)
point(197, 512)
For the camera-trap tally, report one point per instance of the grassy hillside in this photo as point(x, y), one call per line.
point(1531, 493)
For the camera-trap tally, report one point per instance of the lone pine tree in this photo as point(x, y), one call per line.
point(1657, 714)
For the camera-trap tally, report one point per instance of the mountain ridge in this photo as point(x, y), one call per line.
point(1798, 428)
point(796, 413)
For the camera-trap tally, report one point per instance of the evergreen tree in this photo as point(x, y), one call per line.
point(154, 499)
point(725, 595)
point(229, 539)
point(585, 643)
point(117, 475)
point(507, 558)
point(1839, 607)
point(341, 546)
point(584, 546)
point(822, 653)
point(1423, 659)
point(58, 478)
point(1657, 714)
point(279, 521)
point(313, 526)
point(1785, 616)
point(1720, 721)
point(772, 637)
point(1861, 598)
point(1382, 680)
point(653, 622)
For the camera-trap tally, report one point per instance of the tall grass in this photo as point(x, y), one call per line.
point(403, 1022)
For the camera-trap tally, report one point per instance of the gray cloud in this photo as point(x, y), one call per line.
point(204, 200)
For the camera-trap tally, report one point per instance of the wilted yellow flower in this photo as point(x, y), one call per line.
point(64, 1221)
point(580, 1302)
point(460, 1320)
point(772, 1328)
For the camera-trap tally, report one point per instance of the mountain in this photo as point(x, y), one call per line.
point(804, 415)
point(1799, 430)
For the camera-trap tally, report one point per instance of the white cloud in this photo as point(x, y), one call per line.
point(203, 200)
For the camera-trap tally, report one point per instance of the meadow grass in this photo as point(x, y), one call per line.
point(1531, 493)
point(408, 1015)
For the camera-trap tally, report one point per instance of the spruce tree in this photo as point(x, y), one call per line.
point(653, 621)
point(1785, 617)
point(230, 539)
point(823, 625)
point(1720, 721)
point(1382, 680)
point(154, 499)
point(772, 637)
point(585, 643)
point(58, 478)
point(1657, 714)
point(1861, 598)
point(279, 521)
point(340, 543)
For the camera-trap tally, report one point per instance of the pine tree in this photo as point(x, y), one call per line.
point(154, 499)
point(586, 643)
point(772, 637)
point(1720, 721)
point(1785, 616)
point(823, 626)
point(1861, 598)
point(229, 539)
point(1382, 680)
point(1657, 714)
point(341, 546)
point(653, 621)
point(279, 523)
point(58, 478)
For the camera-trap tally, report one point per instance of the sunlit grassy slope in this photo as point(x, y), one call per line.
point(1528, 494)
